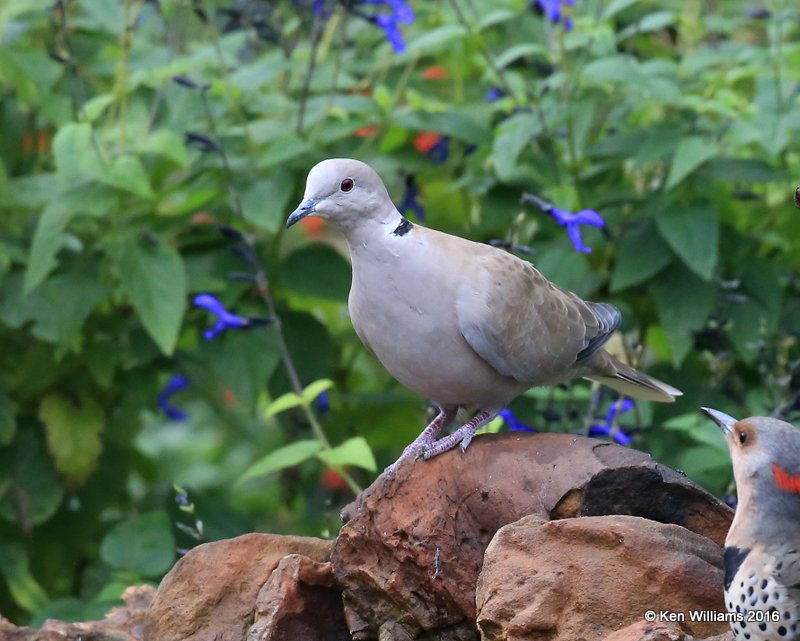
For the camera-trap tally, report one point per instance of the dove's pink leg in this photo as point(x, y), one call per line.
point(462, 435)
point(427, 437)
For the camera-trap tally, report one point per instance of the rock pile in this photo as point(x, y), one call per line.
point(522, 537)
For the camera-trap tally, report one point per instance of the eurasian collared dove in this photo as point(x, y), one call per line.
point(462, 323)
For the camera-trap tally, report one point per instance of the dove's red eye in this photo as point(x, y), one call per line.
point(347, 184)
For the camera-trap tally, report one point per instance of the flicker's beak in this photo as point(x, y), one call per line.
point(304, 209)
point(724, 421)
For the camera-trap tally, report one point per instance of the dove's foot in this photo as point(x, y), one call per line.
point(463, 435)
point(425, 439)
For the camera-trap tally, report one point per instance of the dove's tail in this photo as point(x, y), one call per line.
point(629, 381)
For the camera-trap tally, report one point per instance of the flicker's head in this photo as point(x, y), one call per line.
point(765, 453)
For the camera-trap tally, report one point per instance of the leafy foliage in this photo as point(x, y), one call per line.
point(151, 151)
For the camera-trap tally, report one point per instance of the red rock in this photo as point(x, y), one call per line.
point(412, 546)
point(123, 623)
point(644, 631)
point(300, 600)
point(211, 592)
point(582, 579)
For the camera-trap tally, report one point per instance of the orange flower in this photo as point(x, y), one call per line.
point(367, 130)
point(229, 398)
point(313, 226)
point(426, 141)
point(202, 218)
point(333, 480)
point(437, 72)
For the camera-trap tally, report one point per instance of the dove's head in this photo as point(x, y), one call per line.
point(346, 193)
point(766, 458)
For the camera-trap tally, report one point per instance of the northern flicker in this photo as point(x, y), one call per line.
point(762, 549)
point(462, 323)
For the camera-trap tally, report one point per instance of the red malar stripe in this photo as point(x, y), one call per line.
point(784, 480)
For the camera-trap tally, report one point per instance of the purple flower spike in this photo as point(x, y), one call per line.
point(514, 424)
point(174, 384)
point(225, 319)
point(573, 222)
point(552, 10)
point(607, 426)
point(410, 201)
point(440, 151)
point(401, 12)
point(493, 94)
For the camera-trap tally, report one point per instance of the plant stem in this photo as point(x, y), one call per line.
point(262, 284)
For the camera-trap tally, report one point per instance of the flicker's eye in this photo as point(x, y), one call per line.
point(347, 185)
point(742, 437)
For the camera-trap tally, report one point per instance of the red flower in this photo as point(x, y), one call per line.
point(332, 480)
point(426, 141)
point(313, 226)
point(437, 72)
point(367, 130)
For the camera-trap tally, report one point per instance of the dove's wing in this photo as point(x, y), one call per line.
point(525, 326)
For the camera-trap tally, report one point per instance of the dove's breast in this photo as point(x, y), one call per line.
point(403, 308)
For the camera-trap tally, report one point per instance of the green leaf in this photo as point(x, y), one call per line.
point(265, 203)
point(142, 544)
point(73, 434)
point(693, 234)
point(317, 270)
point(683, 302)
point(689, 155)
point(641, 255)
point(127, 173)
point(461, 124)
point(76, 157)
point(167, 144)
point(520, 51)
point(47, 239)
point(34, 493)
point(154, 280)
point(315, 389)
point(282, 403)
point(24, 589)
point(70, 298)
point(8, 418)
point(354, 451)
point(513, 135)
point(244, 361)
point(435, 39)
point(283, 149)
point(287, 456)
point(96, 106)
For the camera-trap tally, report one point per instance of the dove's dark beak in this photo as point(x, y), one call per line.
point(304, 209)
point(724, 421)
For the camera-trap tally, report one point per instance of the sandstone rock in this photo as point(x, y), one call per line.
point(644, 631)
point(211, 592)
point(582, 579)
point(300, 600)
point(124, 623)
point(412, 546)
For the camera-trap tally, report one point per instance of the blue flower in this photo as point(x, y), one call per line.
point(225, 319)
point(323, 403)
point(607, 426)
point(174, 384)
point(552, 9)
point(410, 201)
point(440, 151)
point(514, 423)
point(573, 224)
point(568, 219)
point(400, 13)
point(493, 94)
